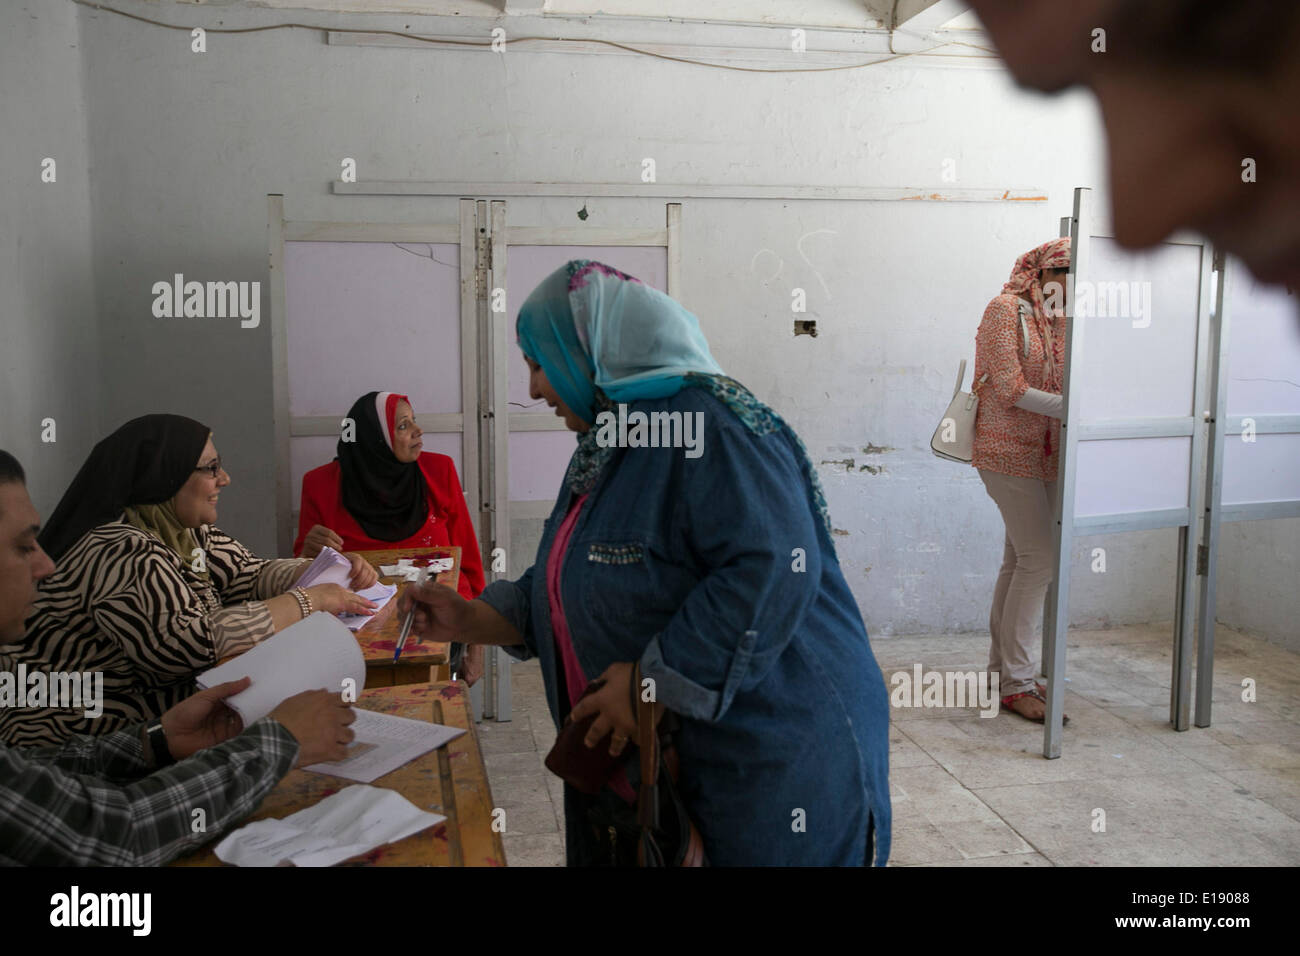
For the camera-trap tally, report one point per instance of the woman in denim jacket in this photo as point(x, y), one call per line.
point(709, 563)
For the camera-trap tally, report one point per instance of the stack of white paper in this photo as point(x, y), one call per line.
point(385, 742)
point(345, 824)
point(317, 651)
point(330, 567)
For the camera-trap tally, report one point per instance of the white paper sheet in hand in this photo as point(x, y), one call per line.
point(315, 652)
point(396, 740)
point(345, 824)
point(329, 567)
point(380, 594)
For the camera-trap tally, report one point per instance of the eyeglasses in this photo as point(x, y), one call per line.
point(213, 469)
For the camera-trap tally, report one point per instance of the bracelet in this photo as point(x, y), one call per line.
point(304, 600)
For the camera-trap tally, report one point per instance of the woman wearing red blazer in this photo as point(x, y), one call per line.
point(382, 491)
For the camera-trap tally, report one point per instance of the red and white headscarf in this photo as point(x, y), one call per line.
point(386, 412)
point(1024, 283)
point(386, 496)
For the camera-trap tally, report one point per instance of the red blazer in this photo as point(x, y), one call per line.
point(449, 521)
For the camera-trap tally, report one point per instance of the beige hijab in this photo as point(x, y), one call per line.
point(160, 520)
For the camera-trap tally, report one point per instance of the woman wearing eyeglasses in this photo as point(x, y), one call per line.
point(147, 590)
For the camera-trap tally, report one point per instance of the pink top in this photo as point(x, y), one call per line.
point(574, 678)
point(1011, 440)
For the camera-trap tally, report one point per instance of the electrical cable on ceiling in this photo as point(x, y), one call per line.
point(486, 44)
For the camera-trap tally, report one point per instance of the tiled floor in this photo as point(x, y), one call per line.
point(973, 791)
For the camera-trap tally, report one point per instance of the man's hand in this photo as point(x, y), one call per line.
point(363, 572)
point(318, 720)
point(319, 537)
point(441, 614)
point(203, 720)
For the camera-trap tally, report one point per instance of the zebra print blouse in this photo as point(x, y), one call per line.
point(122, 603)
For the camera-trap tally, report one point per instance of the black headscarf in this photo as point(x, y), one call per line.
point(145, 462)
point(384, 495)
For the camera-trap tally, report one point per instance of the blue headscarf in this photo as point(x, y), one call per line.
point(590, 326)
point(602, 337)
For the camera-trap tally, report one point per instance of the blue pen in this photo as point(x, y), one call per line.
point(420, 578)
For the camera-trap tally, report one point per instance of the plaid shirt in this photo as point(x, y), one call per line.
point(97, 801)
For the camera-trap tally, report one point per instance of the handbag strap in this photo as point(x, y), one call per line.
point(647, 740)
point(961, 374)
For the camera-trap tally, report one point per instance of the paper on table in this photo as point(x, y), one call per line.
point(329, 567)
point(380, 594)
point(406, 570)
point(397, 740)
point(353, 821)
point(317, 651)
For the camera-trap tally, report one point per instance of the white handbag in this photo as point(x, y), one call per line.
point(954, 439)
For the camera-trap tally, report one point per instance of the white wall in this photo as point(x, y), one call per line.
point(48, 330)
point(1259, 587)
point(186, 147)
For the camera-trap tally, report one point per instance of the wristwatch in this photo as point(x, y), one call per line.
point(162, 756)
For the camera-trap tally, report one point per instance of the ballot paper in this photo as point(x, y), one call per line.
point(378, 593)
point(329, 567)
point(406, 570)
point(345, 824)
point(394, 741)
point(317, 651)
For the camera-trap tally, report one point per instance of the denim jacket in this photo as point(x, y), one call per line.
point(715, 574)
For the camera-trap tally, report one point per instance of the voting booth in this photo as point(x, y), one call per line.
point(1153, 400)
point(1253, 465)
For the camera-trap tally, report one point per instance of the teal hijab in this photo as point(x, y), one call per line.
point(592, 327)
point(603, 337)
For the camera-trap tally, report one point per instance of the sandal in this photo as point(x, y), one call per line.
point(1036, 694)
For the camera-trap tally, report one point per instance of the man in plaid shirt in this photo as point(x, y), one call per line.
point(129, 798)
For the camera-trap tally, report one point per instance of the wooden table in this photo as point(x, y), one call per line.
point(450, 780)
point(378, 638)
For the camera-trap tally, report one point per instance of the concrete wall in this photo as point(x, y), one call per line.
point(187, 146)
point(49, 355)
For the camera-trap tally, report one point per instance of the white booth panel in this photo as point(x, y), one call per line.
point(1267, 469)
point(529, 265)
point(1117, 476)
point(537, 463)
point(1138, 354)
point(372, 316)
point(1263, 350)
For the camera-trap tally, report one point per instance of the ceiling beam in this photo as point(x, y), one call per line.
point(926, 16)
